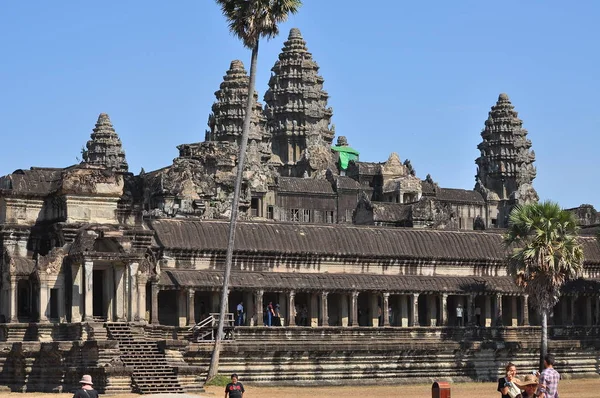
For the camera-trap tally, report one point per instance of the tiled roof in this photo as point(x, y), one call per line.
point(344, 182)
point(33, 182)
point(459, 195)
point(339, 282)
point(391, 212)
point(304, 185)
point(342, 240)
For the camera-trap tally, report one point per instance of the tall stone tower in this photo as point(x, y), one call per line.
point(104, 148)
point(296, 107)
point(505, 170)
point(227, 118)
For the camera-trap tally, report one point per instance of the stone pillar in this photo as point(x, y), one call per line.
point(141, 298)
point(499, 311)
point(488, 312)
point(344, 310)
point(191, 318)
point(415, 303)
point(386, 309)
point(89, 291)
point(471, 310)
point(108, 294)
point(44, 299)
point(12, 306)
point(314, 310)
point(119, 300)
point(572, 299)
point(182, 308)
point(354, 308)
point(374, 310)
point(404, 305)
point(154, 315)
point(133, 313)
point(77, 293)
point(324, 309)
point(588, 311)
point(444, 309)
point(291, 308)
point(258, 314)
point(525, 310)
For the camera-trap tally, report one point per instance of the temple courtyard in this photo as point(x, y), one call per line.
point(580, 388)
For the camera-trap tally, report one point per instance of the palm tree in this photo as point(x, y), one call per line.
point(545, 255)
point(249, 20)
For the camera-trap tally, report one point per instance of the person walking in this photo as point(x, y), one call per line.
point(549, 378)
point(239, 320)
point(235, 389)
point(506, 385)
point(86, 390)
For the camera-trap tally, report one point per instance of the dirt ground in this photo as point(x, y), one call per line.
point(588, 388)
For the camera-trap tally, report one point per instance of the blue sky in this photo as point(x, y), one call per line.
point(416, 78)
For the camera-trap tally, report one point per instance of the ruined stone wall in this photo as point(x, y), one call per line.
point(21, 211)
point(91, 209)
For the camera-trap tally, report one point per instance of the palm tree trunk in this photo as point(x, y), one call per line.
point(544, 345)
point(214, 360)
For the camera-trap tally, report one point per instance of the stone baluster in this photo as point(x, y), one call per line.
point(89, 291)
point(155, 291)
point(415, 317)
point(444, 309)
point(386, 309)
point(44, 300)
point(291, 308)
point(525, 311)
point(258, 299)
point(12, 305)
point(191, 293)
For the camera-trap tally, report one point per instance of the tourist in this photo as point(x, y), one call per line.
point(277, 320)
point(86, 390)
point(528, 385)
point(270, 314)
point(239, 321)
point(459, 315)
point(235, 389)
point(549, 378)
point(506, 387)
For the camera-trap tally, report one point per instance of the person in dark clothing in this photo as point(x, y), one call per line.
point(235, 389)
point(86, 390)
point(506, 387)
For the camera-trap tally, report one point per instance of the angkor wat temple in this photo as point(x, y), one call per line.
point(104, 271)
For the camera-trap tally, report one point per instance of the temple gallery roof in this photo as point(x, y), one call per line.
point(340, 240)
point(304, 185)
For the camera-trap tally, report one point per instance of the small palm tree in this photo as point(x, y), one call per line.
point(249, 20)
point(545, 254)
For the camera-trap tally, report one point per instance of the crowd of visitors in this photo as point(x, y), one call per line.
point(543, 385)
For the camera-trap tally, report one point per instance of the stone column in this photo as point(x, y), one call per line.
point(471, 310)
point(444, 309)
point(415, 303)
point(324, 309)
point(344, 310)
point(89, 291)
point(119, 301)
point(588, 311)
point(154, 315)
point(354, 308)
point(12, 316)
point(291, 308)
point(488, 312)
point(373, 303)
point(499, 311)
point(513, 312)
point(141, 298)
point(44, 299)
point(572, 299)
point(77, 293)
point(258, 314)
point(108, 294)
point(525, 311)
point(386, 309)
point(133, 310)
point(314, 310)
point(191, 318)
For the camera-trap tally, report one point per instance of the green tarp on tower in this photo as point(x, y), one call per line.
point(346, 155)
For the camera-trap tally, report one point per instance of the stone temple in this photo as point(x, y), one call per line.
point(106, 272)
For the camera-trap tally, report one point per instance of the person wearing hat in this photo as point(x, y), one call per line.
point(86, 390)
point(528, 385)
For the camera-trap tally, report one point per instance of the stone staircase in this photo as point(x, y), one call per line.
point(151, 372)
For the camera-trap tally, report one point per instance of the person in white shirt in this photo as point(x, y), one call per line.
point(459, 315)
point(239, 320)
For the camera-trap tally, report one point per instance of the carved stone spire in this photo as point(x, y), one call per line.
point(505, 167)
point(296, 104)
point(227, 118)
point(104, 148)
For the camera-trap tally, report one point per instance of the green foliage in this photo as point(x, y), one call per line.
point(545, 251)
point(250, 20)
point(219, 381)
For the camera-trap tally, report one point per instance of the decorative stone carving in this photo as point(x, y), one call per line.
point(105, 149)
point(51, 263)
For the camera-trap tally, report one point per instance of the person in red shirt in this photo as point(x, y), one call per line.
point(235, 389)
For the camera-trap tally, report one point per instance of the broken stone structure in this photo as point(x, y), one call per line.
point(106, 272)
